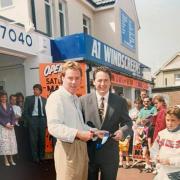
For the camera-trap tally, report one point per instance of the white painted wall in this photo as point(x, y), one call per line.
point(107, 26)
point(76, 9)
point(20, 11)
point(32, 70)
point(29, 75)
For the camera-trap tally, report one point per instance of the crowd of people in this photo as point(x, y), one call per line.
point(156, 130)
point(22, 125)
point(94, 132)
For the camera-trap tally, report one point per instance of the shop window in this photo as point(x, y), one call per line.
point(86, 25)
point(177, 79)
point(62, 17)
point(6, 3)
point(48, 13)
point(2, 85)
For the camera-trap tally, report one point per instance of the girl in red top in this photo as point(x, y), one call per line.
point(159, 119)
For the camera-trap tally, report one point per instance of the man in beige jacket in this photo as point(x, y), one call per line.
point(65, 122)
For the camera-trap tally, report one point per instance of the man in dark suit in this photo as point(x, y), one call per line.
point(35, 120)
point(105, 111)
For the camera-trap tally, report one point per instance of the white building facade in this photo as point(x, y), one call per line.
point(26, 42)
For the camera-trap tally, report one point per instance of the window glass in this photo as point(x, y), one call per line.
point(62, 18)
point(86, 25)
point(48, 18)
point(5, 3)
point(177, 79)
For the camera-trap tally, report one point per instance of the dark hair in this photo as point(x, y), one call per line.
point(102, 69)
point(38, 86)
point(3, 93)
point(138, 100)
point(175, 110)
point(12, 95)
point(143, 90)
point(20, 94)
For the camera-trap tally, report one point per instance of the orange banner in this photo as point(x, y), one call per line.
point(129, 82)
point(50, 78)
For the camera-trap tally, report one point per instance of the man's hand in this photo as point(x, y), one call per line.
point(100, 133)
point(118, 135)
point(9, 126)
point(84, 135)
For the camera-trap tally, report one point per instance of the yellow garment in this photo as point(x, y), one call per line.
point(124, 145)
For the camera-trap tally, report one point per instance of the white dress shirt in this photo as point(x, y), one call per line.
point(35, 110)
point(64, 116)
point(17, 111)
point(106, 96)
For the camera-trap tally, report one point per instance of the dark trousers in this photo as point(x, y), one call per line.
point(108, 171)
point(37, 129)
point(22, 137)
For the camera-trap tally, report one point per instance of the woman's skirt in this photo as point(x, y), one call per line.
point(8, 144)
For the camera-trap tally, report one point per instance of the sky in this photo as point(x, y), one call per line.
point(159, 35)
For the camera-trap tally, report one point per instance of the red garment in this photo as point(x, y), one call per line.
point(159, 121)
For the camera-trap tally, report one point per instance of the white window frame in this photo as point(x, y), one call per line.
point(87, 25)
point(177, 79)
point(49, 3)
point(62, 12)
point(8, 6)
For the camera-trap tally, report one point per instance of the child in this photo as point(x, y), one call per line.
point(123, 151)
point(166, 148)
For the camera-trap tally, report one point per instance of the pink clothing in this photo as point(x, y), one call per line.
point(167, 146)
point(159, 121)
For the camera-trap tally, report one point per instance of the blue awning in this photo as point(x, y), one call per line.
point(88, 48)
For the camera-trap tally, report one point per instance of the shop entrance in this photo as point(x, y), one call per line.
point(12, 77)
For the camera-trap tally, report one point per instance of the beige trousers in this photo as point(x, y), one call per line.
point(71, 160)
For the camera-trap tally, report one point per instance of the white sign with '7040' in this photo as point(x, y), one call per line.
point(15, 38)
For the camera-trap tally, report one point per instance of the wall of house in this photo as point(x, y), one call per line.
point(12, 12)
point(108, 26)
point(172, 97)
point(163, 75)
point(76, 10)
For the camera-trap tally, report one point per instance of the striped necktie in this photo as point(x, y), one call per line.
point(101, 110)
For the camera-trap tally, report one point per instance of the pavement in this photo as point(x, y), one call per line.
point(134, 173)
point(26, 170)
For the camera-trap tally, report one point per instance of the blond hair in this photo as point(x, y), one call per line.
point(71, 65)
point(161, 99)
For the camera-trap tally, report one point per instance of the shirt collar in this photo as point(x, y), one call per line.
point(67, 93)
point(106, 96)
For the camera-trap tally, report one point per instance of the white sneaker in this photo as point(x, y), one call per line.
point(155, 172)
point(13, 163)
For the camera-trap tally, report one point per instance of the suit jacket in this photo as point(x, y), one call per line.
point(7, 116)
point(29, 106)
point(116, 117)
